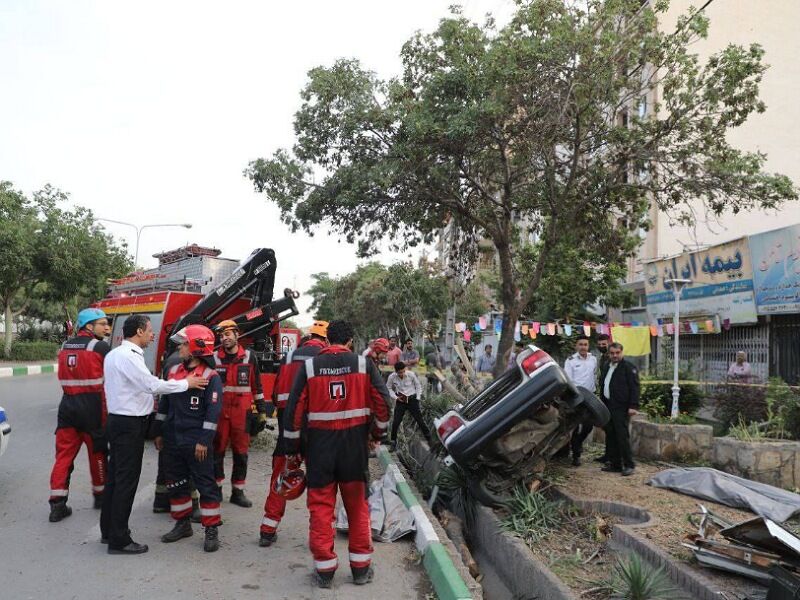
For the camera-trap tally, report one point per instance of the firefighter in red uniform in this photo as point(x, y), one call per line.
point(377, 350)
point(239, 371)
point(188, 421)
point(82, 411)
point(275, 505)
point(342, 400)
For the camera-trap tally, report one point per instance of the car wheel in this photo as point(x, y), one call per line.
point(597, 412)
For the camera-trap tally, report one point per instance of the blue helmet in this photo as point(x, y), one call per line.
point(87, 315)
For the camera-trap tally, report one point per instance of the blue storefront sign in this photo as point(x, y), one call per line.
point(776, 270)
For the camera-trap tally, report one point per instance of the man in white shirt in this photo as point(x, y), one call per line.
point(406, 390)
point(129, 389)
point(581, 368)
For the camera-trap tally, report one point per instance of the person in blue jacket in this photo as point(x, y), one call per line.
point(188, 423)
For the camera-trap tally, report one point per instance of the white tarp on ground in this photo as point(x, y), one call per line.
point(390, 518)
point(701, 482)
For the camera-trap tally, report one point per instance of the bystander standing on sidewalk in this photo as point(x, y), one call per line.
point(410, 356)
point(620, 381)
point(486, 361)
point(740, 369)
point(406, 390)
point(581, 368)
point(393, 355)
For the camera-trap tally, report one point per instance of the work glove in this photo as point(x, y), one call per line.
point(261, 423)
point(269, 410)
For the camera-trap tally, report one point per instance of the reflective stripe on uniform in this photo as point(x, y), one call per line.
point(237, 389)
point(269, 522)
point(77, 382)
point(209, 512)
point(309, 368)
point(209, 425)
point(92, 343)
point(217, 360)
point(161, 417)
point(59, 492)
point(246, 356)
point(180, 507)
point(321, 565)
point(362, 364)
point(207, 373)
point(341, 414)
point(259, 396)
point(381, 424)
point(282, 397)
point(98, 488)
point(289, 355)
point(360, 557)
point(239, 485)
point(291, 435)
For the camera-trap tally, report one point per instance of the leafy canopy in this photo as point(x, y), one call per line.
point(535, 136)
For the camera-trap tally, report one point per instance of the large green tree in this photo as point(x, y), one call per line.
point(51, 256)
point(379, 300)
point(529, 136)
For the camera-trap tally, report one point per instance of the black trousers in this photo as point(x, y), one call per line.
point(618, 441)
point(126, 448)
point(579, 436)
point(412, 406)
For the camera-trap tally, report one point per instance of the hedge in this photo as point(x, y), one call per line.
point(22, 351)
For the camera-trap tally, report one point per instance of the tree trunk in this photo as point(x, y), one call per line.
point(511, 307)
point(9, 334)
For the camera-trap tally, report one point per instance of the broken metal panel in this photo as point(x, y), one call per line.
point(767, 534)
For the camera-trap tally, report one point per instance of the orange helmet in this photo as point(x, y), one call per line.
point(225, 325)
point(199, 337)
point(319, 328)
point(291, 483)
point(380, 345)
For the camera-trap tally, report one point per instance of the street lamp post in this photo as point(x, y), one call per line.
point(677, 288)
point(139, 229)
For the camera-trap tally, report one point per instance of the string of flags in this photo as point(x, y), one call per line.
point(532, 329)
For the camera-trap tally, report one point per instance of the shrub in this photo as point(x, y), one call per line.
point(634, 579)
point(779, 418)
point(657, 397)
point(34, 351)
point(738, 404)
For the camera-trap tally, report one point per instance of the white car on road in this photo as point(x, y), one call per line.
point(5, 430)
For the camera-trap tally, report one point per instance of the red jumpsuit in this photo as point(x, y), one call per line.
point(242, 388)
point(275, 505)
point(81, 413)
point(342, 399)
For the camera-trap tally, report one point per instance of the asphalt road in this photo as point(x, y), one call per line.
point(55, 561)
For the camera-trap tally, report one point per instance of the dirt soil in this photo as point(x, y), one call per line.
point(671, 511)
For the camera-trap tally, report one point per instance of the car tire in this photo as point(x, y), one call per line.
point(480, 492)
point(594, 408)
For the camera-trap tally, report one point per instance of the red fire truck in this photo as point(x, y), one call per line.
point(245, 295)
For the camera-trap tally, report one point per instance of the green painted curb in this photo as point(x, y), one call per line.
point(48, 368)
point(19, 370)
point(445, 578)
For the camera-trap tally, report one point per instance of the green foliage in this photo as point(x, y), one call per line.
point(32, 332)
point(51, 258)
point(39, 350)
point(527, 137)
point(656, 398)
point(781, 419)
point(532, 516)
point(634, 579)
point(378, 299)
point(740, 405)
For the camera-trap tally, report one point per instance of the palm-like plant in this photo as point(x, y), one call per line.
point(635, 579)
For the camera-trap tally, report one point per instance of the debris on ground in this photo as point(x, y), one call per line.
point(757, 548)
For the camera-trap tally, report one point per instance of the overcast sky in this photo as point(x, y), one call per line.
point(148, 112)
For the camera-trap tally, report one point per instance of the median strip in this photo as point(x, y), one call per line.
point(28, 370)
point(447, 581)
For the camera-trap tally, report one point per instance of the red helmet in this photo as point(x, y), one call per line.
point(291, 483)
point(380, 345)
point(199, 337)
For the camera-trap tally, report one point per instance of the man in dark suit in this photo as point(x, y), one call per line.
point(619, 381)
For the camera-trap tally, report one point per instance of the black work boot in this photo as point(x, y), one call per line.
point(211, 543)
point(59, 510)
point(182, 529)
point(267, 539)
point(323, 579)
point(161, 502)
point(363, 575)
point(98, 501)
point(196, 515)
point(239, 499)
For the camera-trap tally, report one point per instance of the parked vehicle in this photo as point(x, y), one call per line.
point(506, 434)
point(5, 431)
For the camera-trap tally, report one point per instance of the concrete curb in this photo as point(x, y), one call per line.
point(444, 575)
point(629, 536)
point(28, 370)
